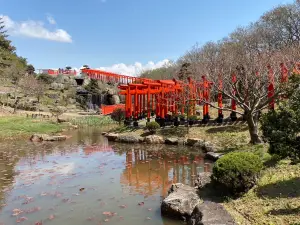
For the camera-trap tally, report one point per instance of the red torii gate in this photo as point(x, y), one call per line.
point(164, 96)
point(111, 77)
point(146, 97)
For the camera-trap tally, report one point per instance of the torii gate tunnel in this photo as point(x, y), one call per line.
point(145, 97)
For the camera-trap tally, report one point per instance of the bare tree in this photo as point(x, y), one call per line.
point(56, 111)
point(15, 73)
point(282, 25)
point(30, 86)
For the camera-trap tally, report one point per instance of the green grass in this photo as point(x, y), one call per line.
point(275, 199)
point(13, 127)
point(92, 121)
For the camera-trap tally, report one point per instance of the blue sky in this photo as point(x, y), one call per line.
point(121, 35)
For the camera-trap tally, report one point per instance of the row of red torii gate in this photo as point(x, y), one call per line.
point(145, 97)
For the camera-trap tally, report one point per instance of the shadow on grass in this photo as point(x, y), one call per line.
point(273, 161)
point(223, 129)
point(284, 189)
point(215, 192)
point(277, 212)
point(175, 131)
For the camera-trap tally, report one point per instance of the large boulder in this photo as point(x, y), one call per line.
point(55, 138)
point(154, 139)
point(195, 142)
point(203, 179)
point(213, 156)
point(129, 139)
point(180, 203)
point(72, 101)
point(209, 147)
point(111, 136)
point(56, 86)
point(171, 141)
point(110, 91)
point(52, 95)
point(205, 146)
point(114, 100)
point(210, 213)
point(46, 137)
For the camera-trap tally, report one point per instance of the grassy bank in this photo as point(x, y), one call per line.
point(226, 137)
point(93, 121)
point(16, 127)
point(275, 199)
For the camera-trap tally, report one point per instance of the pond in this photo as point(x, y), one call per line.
point(87, 180)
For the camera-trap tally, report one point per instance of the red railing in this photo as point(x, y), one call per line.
point(108, 109)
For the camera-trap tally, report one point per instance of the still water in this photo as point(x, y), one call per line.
point(86, 180)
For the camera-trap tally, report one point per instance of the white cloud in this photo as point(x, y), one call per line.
point(51, 20)
point(135, 69)
point(35, 29)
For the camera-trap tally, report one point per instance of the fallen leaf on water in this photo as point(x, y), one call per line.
point(123, 206)
point(90, 218)
point(17, 210)
point(51, 217)
point(38, 223)
point(149, 209)
point(81, 189)
point(65, 200)
point(109, 213)
point(106, 220)
point(22, 219)
point(148, 218)
point(141, 203)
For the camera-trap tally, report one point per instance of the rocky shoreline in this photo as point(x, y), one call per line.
point(186, 203)
point(205, 146)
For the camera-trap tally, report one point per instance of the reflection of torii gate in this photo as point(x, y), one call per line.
point(147, 176)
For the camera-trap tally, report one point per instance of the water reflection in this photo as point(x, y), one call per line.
point(148, 171)
point(42, 180)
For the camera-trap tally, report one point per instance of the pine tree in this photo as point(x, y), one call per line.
point(93, 87)
point(5, 44)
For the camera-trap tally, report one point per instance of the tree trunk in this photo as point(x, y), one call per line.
point(16, 105)
point(16, 101)
point(252, 121)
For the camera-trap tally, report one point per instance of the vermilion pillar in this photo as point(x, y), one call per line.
point(144, 104)
point(140, 104)
point(148, 103)
point(206, 99)
point(153, 98)
point(157, 108)
point(220, 100)
point(127, 115)
point(162, 104)
point(136, 104)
